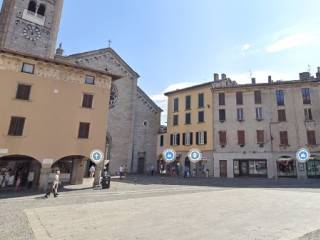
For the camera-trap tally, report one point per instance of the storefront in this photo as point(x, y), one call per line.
point(65, 168)
point(286, 167)
point(250, 167)
point(313, 167)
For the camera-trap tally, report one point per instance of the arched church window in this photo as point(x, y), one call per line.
point(41, 10)
point(32, 6)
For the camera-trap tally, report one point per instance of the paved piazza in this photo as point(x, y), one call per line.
point(168, 208)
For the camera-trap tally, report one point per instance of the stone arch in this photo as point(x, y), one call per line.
point(32, 6)
point(41, 10)
point(21, 166)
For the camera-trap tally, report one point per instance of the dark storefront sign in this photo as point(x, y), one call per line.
point(250, 167)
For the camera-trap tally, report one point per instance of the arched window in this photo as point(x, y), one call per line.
point(32, 6)
point(41, 10)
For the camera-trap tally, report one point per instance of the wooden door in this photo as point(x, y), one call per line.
point(223, 168)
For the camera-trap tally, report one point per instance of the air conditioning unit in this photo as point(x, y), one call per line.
point(241, 145)
point(261, 145)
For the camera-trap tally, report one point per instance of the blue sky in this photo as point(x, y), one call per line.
point(177, 43)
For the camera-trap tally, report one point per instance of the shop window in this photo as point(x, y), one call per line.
point(84, 130)
point(87, 101)
point(16, 126)
point(313, 167)
point(23, 92)
point(286, 167)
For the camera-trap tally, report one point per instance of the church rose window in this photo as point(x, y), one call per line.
point(114, 95)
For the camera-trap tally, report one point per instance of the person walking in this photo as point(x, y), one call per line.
point(92, 170)
point(152, 170)
point(18, 182)
point(54, 187)
point(30, 179)
point(121, 171)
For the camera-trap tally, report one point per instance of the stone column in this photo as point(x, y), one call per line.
point(77, 171)
point(99, 168)
point(44, 177)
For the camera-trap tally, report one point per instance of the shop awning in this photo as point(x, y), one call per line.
point(285, 159)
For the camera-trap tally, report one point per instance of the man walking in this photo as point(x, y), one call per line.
point(121, 171)
point(55, 185)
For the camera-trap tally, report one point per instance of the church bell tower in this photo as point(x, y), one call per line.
point(30, 26)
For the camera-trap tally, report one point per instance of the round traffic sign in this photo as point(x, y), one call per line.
point(96, 156)
point(303, 155)
point(169, 155)
point(195, 155)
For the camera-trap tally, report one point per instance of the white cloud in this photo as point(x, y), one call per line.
point(291, 41)
point(245, 47)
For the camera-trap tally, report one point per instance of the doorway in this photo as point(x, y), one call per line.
point(223, 168)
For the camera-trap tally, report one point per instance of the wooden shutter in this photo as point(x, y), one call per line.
point(282, 115)
point(223, 138)
point(191, 138)
point(221, 99)
point(178, 139)
point(23, 92)
point(239, 98)
point(311, 136)
point(197, 138)
point(284, 138)
point(171, 139)
point(257, 97)
point(241, 137)
point(183, 139)
point(205, 137)
point(260, 136)
point(16, 126)
point(84, 130)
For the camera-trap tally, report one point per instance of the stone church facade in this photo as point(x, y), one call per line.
point(134, 119)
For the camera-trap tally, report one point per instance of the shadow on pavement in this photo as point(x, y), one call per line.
point(242, 182)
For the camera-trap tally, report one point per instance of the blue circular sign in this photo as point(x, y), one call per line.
point(96, 156)
point(169, 155)
point(195, 155)
point(303, 155)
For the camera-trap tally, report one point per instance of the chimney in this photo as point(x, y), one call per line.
point(253, 81)
point(318, 73)
point(223, 76)
point(304, 76)
point(59, 51)
point(269, 79)
point(215, 77)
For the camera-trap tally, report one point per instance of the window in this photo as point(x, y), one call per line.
point(176, 105)
point(223, 138)
point(161, 140)
point(284, 138)
point(175, 120)
point(308, 114)
point(280, 97)
point(222, 115)
point(282, 115)
point(188, 102)
point(259, 113)
point(222, 99)
point(200, 100)
point(84, 130)
point(201, 138)
point(16, 126)
point(175, 139)
point(145, 123)
point(87, 101)
point(311, 136)
point(27, 68)
point(241, 138)
point(89, 80)
point(239, 98)
point(32, 6)
point(260, 136)
point(240, 114)
point(306, 95)
point(187, 138)
point(41, 10)
point(188, 118)
point(257, 97)
point(23, 92)
point(201, 116)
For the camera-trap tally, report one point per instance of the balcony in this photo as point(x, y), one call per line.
point(33, 17)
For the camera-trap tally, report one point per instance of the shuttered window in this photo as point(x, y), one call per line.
point(257, 97)
point(308, 114)
point(16, 126)
point(188, 102)
point(23, 92)
point(84, 130)
point(306, 95)
point(201, 116)
point(223, 138)
point(311, 136)
point(260, 136)
point(200, 100)
point(175, 120)
point(201, 138)
point(239, 98)
point(241, 137)
point(176, 105)
point(222, 115)
point(282, 115)
point(87, 100)
point(188, 118)
point(222, 99)
point(284, 138)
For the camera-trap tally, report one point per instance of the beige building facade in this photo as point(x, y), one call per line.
point(53, 115)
